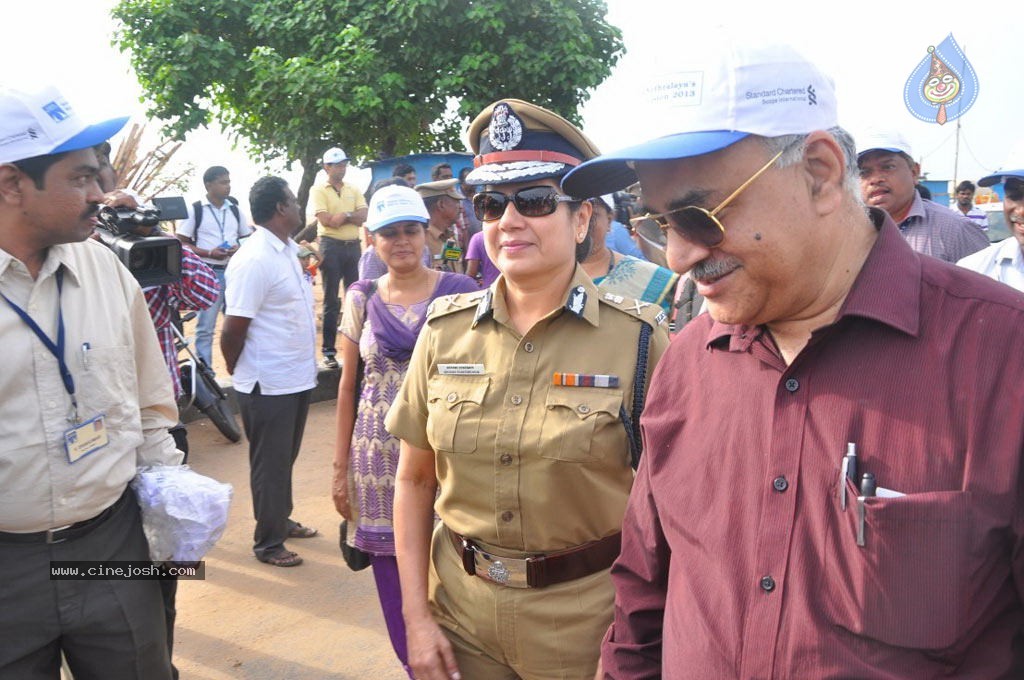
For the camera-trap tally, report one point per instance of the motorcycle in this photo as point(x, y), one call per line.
point(200, 387)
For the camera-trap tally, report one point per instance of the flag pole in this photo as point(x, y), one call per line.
point(956, 153)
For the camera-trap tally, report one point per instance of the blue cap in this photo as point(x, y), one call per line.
point(1000, 177)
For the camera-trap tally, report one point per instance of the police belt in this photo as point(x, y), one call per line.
point(73, 531)
point(536, 571)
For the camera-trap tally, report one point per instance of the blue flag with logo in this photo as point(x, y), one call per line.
point(943, 86)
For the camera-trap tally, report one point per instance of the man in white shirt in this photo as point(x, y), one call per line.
point(212, 230)
point(86, 401)
point(1003, 261)
point(269, 344)
point(964, 204)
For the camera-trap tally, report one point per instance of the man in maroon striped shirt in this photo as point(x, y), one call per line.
point(754, 545)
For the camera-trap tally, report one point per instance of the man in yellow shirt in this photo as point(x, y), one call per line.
point(339, 209)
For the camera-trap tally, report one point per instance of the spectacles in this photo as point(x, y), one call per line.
point(530, 202)
point(698, 224)
point(390, 232)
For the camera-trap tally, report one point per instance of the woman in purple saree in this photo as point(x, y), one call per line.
point(381, 321)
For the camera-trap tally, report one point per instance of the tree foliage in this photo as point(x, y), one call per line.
point(372, 76)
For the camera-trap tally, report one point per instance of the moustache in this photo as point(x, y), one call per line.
point(713, 269)
point(91, 211)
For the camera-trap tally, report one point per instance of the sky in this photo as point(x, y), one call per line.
point(869, 47)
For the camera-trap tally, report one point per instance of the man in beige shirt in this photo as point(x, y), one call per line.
point(340, 209)
point(87, 400)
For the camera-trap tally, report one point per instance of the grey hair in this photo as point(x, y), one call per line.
point(792, 148)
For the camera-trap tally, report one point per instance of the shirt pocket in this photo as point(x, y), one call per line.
point(907, 585)
point(108, 385)
point(454, 410)
point(576, 422)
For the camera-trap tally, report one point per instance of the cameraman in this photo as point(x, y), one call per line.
point(197, 289)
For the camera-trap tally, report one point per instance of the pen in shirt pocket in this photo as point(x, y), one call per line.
point(85, 354)
point(847, 470)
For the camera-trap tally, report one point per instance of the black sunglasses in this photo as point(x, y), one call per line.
point(410, 230)
point(530, 202)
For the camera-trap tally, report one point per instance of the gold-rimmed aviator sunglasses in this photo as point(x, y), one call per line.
point(700, 225)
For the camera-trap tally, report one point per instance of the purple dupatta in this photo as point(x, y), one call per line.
point(394, 339)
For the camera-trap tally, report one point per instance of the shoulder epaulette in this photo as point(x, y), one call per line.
point(449, 304)
point(645, 311)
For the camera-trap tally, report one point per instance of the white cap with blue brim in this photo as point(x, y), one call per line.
point(710, 101)
point(392, 204)
point(43, 122)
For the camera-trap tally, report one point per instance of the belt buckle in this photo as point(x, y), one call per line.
point(510, 572)
point(51, 533)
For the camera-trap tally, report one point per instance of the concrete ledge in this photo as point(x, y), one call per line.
point(325, 390)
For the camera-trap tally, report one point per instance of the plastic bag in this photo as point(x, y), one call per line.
point(183, 512)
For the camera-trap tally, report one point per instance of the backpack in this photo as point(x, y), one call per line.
point(197, 210)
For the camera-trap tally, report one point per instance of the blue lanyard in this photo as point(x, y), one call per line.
point(219, 220)
point(57, 350)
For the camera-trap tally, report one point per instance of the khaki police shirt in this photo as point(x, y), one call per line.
point(523, 464)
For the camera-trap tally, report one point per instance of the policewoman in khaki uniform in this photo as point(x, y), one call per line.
point(520, 413)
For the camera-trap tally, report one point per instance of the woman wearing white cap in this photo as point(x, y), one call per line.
point(519, 414)
point(382, 318)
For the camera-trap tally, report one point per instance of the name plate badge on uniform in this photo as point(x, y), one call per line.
point(585, 380)
point(460, 369)
point(85, 438)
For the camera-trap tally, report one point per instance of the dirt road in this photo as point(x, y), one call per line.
point(250, 620)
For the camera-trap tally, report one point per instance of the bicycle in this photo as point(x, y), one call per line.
point(200, 387)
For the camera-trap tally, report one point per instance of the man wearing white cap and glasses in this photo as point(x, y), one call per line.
point(86, 400)
point(340, 209)
point(1004, 261)
point(888, 175)
point(832, 486)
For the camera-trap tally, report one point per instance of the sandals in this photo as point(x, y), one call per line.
point(281, 558)
point(299, 531)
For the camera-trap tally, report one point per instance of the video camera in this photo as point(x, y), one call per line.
point(152, 260)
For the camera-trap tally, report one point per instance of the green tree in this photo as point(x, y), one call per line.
point(376, 77)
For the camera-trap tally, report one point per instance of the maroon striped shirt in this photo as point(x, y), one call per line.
point(737, 559)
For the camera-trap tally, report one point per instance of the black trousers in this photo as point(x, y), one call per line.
point(274, 426)
point(108, 630)
point(340, 260)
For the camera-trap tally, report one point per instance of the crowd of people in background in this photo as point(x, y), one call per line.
point(821, 474)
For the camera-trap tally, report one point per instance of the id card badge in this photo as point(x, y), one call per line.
point(85, 438)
